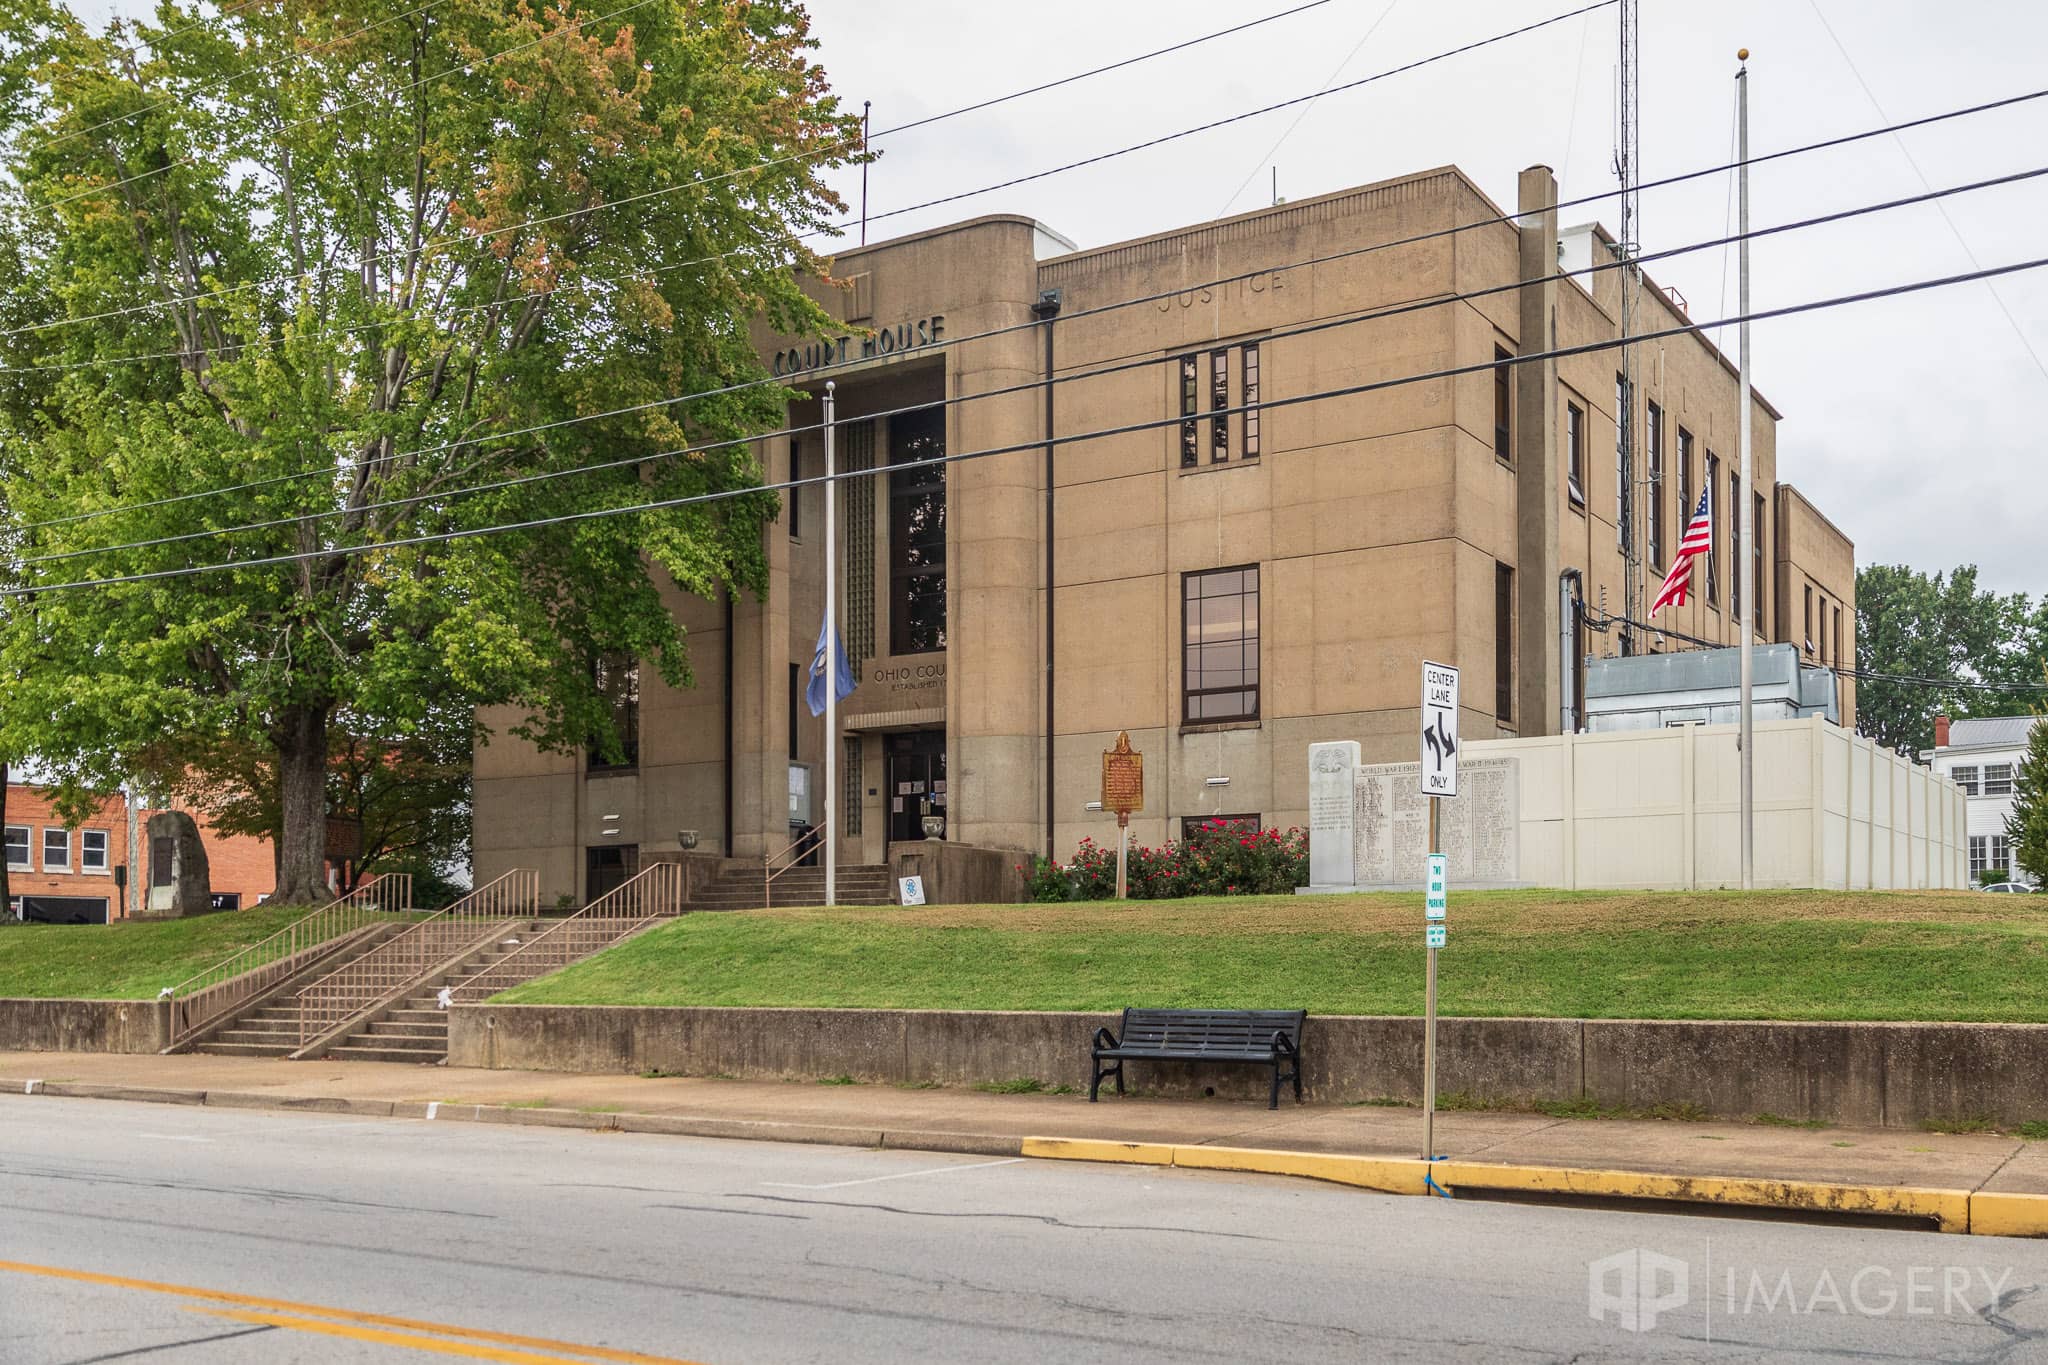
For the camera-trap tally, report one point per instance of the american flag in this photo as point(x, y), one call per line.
point(1697, 540)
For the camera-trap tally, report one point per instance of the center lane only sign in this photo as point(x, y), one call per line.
point(1439, 730)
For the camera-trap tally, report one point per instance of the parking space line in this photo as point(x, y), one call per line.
point(899, 1175)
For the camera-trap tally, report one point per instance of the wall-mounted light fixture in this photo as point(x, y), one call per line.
point(1216, 782)
point(1093, 805)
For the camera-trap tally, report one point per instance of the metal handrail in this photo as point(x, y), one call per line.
point(769, 871)
point(349, 990)
point(227, 985)
point(653, 893)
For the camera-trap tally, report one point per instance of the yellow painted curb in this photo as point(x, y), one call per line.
point(1950, 1208)
point(1392, 1175)
point(2009, 1215)
point(1094, 1149)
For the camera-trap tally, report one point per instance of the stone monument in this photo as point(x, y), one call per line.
point(180, 882)
point(1332, 779)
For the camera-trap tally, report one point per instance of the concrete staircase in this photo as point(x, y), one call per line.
point(415, 1029)
point(858, 884)
point(269, 1027)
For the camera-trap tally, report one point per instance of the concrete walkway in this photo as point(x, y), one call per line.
point(1857, 1170)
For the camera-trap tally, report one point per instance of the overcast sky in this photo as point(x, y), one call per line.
point(1913, 423)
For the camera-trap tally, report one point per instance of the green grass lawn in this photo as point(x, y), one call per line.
point(1956, 956)
point(126, 960)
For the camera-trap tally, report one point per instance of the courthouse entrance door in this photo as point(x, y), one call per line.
point(916, 771)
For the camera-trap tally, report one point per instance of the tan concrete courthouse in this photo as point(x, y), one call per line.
point(1237, 578)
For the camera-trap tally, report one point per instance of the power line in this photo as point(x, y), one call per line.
point(826, 370)
point(1028, 386)
point(1037, 444)
point(831, 229)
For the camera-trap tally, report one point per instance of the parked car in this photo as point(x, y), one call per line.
point(2010, 888)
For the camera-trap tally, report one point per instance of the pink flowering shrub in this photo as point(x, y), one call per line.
point(1222, 858)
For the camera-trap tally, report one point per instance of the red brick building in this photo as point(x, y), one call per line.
point(83, 871)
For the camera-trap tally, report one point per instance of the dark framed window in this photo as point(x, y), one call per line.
point(1998, 779)
point(1218, 826)
point(1251, 400)
point(607, 867)
point(1685, 485)
point(1710, 475)
point(1734, 554)
point(1845, 648)
point(796, 690)
point(917, 532)
point(56, 849)
point(1624, 409)
point(17, 845)
point(1219, 403)
point(1503, 643)
point(793, 500)
point(1823, 627)
point(1503, 404)
point(1966, 778)
point(1190, 403)
point(616, 679)
point(1763, 583)
point(1220, 645)
point(1653, 434)
point(1575, 453)
point(92, 850)
point(1809, 620)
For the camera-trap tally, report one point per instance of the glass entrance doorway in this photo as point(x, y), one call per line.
point(916, 771)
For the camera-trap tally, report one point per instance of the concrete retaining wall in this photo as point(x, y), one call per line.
point(1863, 1074)
point(81, 1026)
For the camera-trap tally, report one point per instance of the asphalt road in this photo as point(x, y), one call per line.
point(155, 1233)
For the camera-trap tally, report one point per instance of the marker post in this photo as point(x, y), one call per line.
point(1439, 780)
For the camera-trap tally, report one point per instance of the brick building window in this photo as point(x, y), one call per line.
point(1503, 404)
point(1684, 480)
point(1624, 409)
point(1844, 651)
point(1503, 643)
point(1190, 404)
point(1251, 400)
point(17, 846)
point(1809, 620)
point(1220, 645)
point(793, 502)
point(1219, 405)
point(92, 850)
point(56, 849)
point(1763, 582)
point(1653, 423)
point(1734, 550)
point(1713, 556)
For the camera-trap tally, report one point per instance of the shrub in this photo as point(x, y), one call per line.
point(1220, 858)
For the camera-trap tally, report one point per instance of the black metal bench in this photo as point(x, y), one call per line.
point(1259, 1037)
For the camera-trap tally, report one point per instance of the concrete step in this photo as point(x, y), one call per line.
point(397, 1042)
point(354, 1053)
point(258, 1035)
point(408, 1014)
point(385, 1028)
point(219, 1049)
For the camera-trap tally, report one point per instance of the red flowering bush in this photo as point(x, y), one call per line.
point(1221, 858)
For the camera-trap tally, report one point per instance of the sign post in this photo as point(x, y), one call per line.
point(1439, 780)
point(1123, 791)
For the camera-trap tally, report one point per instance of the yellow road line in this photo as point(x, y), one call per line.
point(344, 1314)
point(384, 1336)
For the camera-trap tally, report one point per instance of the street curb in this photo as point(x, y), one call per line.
point(1949, 1210)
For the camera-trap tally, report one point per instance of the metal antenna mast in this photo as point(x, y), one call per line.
point(1628, 167)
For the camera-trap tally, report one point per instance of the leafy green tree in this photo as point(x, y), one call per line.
point(1939, 627)
point(326, 266)
point(2027, 827)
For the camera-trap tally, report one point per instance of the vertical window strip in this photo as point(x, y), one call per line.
point(849, 796)
point(1653, 421)
point(1251, 400)
point(1219, 400)
point(858, 500)
point(1190, 397)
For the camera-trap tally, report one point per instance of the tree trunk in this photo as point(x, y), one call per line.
point(302, 789)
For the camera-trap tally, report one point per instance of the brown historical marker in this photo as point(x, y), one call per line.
point(1123, 791)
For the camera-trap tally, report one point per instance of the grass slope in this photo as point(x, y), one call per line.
point(1721, 955)
point(129, 959)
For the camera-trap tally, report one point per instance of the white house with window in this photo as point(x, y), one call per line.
point(1983, 757)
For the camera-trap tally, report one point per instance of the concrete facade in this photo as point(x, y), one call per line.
point(1875, 1075)
point(1384, 527)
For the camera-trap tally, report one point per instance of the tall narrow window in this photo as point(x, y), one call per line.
point(1190, 399)
point(56, 849)
point(917, 532)
point(796, 690)
point(1575, 453)
point(1734, 549)
point(1220, 645)
point(616, 680)
point(1763, 584)
point(1823, 627)
point(92, 850)
point(1653, 422)
point(17, 846)
point(1503, 403)
point(1219, 402)
point(1503, 643)
point(1684, 481)
point(1709, 476)
point(1845, 648)
point(1624, 483)
point(1809, 620)
point(1251, 400)
point(1978, 847)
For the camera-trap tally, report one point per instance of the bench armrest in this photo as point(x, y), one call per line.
point(1282, 1043)
point(1104, 1039)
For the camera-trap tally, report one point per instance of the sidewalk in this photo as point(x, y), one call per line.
point(1969, 1182)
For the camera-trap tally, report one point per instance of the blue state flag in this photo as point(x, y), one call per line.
point(842, 680)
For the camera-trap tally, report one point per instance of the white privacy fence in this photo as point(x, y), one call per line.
point(1658, 809)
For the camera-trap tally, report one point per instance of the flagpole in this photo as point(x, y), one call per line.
point(1745, 517)
point(832, 648)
